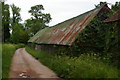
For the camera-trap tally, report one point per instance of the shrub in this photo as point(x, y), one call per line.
point(20, 45)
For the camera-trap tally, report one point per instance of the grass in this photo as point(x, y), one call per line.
point(85, 66)
point(7, 54)
point(0, 60)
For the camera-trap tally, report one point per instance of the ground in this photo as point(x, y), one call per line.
point(25, 66)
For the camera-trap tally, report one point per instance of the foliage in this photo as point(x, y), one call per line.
point(19, 35)
point(36, 12)
point(7, 54)
point(20, 45)
point(15, 14)
point(85, 66)
point(114, 47)
point(101, 3)
point(38, 20)
point(116, 6)
point(33, 26)
point(113, 38)
point(5, 22)
point(92, 38)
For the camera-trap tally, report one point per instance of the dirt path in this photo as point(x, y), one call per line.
point(25, 66)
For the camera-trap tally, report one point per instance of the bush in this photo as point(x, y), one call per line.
point(20, 45)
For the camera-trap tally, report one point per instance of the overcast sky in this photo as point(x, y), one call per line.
point(60, 10)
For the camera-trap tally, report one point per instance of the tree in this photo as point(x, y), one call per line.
point(38, 21)
point(5, 22)
point(36, 12)
point(19, 35)
point(15, 14)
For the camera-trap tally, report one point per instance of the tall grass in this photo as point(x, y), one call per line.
point(85, 66)
point(7, 54)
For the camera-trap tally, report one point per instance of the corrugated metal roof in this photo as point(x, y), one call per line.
point(114, 17)
point(65, 33)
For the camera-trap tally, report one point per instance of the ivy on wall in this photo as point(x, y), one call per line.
point(92, 38)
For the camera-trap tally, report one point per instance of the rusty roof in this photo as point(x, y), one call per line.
point(114, 17)
point(65, 33)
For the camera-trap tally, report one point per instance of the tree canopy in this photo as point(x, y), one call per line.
point(5, 22)
point(38, 21)
point(15, 14)
point(16, 32)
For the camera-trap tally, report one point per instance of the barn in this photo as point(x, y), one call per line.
point(65, 33)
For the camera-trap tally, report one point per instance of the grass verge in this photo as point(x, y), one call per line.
point(85, 66)
point(7, 54)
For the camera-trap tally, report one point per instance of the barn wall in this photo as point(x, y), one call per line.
point(57, 49)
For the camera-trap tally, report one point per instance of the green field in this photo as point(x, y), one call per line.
point(85, 66)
